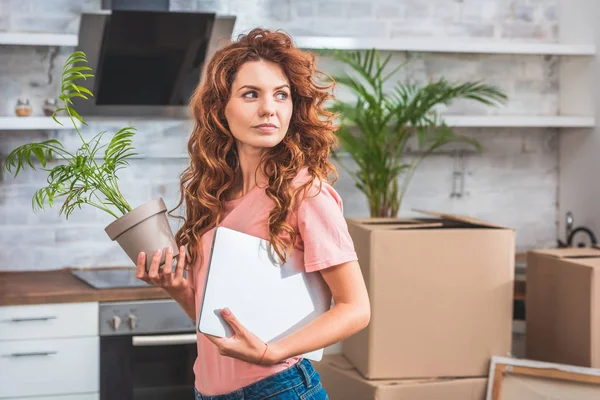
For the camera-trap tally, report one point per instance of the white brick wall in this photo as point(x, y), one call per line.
point(514, 182)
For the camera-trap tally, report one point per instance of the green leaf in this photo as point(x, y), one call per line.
point(78, 69)
point(74, 113)
point(39, 153)
point(54, 117)
point(71, 76)
point(85, 90)
point(75, 94)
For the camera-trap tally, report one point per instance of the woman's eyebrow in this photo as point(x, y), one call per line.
point(258, 89)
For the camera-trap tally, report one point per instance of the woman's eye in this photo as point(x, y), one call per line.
point(252, 95)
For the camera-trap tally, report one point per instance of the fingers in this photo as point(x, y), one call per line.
point(167, 269)
point(237, 327)
point(180, 262)
point(153, 273)
point(164, 277)
point(140, 267)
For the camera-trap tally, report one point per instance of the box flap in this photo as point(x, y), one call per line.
point(570, 252)
point(396, 223)
point(461, 218)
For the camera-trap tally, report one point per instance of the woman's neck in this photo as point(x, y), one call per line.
point(248, 177)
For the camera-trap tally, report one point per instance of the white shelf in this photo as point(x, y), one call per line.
point(459, 121)
point(502, 121)
point(512, 121)
point(38, 39)
point(34, 123)
point(434, 45)
point(440, 45)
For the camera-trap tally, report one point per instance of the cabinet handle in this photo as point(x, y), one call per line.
point(32, 354)
point(31, 319)
point(163, 340)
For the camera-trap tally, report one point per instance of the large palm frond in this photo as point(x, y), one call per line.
point(385, 123)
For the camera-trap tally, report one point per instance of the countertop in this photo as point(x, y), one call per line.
point(60, 286)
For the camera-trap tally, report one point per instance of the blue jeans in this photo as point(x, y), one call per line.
point(299, 381)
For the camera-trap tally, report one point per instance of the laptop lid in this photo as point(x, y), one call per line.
point(269, 299)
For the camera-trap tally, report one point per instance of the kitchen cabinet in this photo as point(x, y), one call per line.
point(50, 351)
point(49, 321)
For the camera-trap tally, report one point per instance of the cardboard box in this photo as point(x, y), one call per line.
point(563, 306)
point(342, 382)
point(441, 292)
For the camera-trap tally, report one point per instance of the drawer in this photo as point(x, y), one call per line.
point(48, 321)
point(82, 396)
point(49, 367)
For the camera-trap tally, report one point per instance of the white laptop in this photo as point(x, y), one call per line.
point(271, 300)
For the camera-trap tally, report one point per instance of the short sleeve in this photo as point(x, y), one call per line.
point(323, 230)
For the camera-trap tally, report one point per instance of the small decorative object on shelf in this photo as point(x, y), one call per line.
point(50, 106)
point(23, 108)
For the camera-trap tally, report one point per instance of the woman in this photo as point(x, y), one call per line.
point(259, 164)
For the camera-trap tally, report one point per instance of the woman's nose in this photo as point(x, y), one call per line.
point(267, 107)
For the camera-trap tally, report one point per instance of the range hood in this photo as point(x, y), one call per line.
point(147, 63)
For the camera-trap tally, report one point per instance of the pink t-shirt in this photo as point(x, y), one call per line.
point(322, 239)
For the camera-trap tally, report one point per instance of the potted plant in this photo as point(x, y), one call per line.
point(389, 122)
point(81, 180)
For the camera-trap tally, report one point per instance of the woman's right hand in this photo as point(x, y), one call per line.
point(166, 278)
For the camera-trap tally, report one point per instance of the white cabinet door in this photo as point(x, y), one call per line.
point(49, 367)
point(48, 321)
point(83, 396)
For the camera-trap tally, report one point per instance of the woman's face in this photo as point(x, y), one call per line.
point(260, 105)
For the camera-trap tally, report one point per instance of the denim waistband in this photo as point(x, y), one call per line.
point(298, 374)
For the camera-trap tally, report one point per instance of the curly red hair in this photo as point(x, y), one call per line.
point(208, 179)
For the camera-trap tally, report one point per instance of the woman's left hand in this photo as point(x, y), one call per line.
point(243, 345)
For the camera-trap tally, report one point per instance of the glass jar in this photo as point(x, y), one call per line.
point(50, 105)
point(23, 108)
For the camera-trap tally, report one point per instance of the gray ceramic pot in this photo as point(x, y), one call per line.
point(145, 228)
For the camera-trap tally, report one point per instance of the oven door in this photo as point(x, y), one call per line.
point(149, 367)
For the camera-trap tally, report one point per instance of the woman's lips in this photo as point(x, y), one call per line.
point(266, 128)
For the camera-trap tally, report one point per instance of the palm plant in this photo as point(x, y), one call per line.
point(81, 180)
point(388, 122)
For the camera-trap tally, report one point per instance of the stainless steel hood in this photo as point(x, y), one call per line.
point(147, 63)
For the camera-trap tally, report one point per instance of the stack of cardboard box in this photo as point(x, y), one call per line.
point(441, 291)
point(563, 306)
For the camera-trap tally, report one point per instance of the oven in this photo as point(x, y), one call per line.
point(147, 351)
